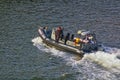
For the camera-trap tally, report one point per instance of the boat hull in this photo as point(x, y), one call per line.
point(59, 45)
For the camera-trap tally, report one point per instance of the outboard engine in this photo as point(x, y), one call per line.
point(89, 40)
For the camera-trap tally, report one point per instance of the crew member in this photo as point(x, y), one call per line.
point(67, 38)
point(77, 41)
point(61, 34)
point(72, 37)
point(58, 33)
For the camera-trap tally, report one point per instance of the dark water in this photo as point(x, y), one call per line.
point(19, 21)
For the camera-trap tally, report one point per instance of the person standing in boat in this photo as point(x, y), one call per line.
point(58, 34)
point(72, 37)
point(61, 34)
point(67, 37)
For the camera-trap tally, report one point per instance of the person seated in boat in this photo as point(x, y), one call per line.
point(58, 34)
point(78, 42)
point(94, 37)
point(67, 37)
point(47, 32)
point(88, 39)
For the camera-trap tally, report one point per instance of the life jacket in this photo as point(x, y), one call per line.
point(76, 41)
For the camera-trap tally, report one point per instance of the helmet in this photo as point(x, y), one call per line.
point(79, 32)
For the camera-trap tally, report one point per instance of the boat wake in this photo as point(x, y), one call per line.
point(105, 59)
point(98, 65)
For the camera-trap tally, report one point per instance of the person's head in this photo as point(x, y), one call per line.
point(72, 35)
point(43, 27)
point(68, 34)
point(79, 32)
point(59, 28)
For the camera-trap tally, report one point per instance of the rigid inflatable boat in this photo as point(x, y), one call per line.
point(69, 46)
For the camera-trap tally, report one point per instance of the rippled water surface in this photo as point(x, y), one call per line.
point(24, 57)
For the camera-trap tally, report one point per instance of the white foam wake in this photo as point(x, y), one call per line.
point(115, 51)
point(37, 41)
point(105, 59)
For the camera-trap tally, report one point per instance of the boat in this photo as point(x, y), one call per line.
point(69, 46)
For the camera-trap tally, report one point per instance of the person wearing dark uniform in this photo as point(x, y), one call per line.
point(61, 34)
point(72, 37)
point(67, 38)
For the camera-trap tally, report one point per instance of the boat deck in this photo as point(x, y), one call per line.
point(69, 43)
